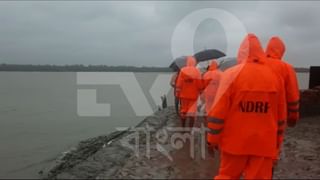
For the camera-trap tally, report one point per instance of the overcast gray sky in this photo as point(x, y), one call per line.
point(139, 33)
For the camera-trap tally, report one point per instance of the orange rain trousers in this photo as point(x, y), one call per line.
point(251, 167)
point(188, 107)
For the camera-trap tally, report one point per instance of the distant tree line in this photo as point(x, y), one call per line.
point(91, 68)
point(80, 68)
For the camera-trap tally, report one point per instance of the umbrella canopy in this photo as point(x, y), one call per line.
point(227, 63)
point(208, 54)
point(178, 63)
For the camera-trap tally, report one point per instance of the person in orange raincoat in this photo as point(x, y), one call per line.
point(244, 119)
point(275, 51)
point(211, 80)
point(188, 88)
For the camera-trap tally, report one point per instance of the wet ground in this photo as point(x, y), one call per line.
point(159, 150)
point(300, 158)
point(172, 157)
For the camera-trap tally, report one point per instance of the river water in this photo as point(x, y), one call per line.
point(39, 116)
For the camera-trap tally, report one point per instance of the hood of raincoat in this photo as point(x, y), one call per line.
point(213, 66)
point(250, 50)
point(191, 61)
point(276, 48)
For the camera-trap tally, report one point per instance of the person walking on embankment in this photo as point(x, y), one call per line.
point(188, 88)
point(275, 51)
point(243, 123)
point(211, 80)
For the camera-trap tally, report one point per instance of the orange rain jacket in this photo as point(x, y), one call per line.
point(275, 51)
point(245, 116)
point(211, 80)
point(189, 82)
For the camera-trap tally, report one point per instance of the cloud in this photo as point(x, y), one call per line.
point(139, 33)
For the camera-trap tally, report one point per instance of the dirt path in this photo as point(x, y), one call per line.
point(301, 151)
point(178, 163)
point(300, 158)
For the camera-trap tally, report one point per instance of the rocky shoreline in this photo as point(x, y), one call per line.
point(153, 149)
point(102, 156)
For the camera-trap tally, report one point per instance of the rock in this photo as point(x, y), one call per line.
point(310, 102)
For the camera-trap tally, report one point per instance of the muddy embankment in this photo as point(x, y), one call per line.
point(157, 149)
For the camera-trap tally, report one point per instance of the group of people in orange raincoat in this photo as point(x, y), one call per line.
point(190, 84)
point(248, 107)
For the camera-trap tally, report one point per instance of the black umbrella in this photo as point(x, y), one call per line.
point(208, 54)
point(178, 63)
point(227, 63)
